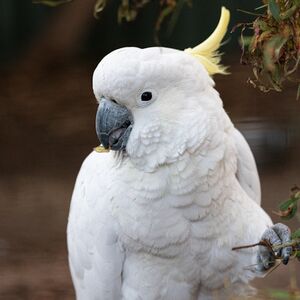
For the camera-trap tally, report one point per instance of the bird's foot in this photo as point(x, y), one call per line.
point(276, 239)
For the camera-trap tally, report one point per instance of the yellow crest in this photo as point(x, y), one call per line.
point(207, 52)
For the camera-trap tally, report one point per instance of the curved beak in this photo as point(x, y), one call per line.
point(113, 125)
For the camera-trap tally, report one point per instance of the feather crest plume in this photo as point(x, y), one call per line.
point(207, 52)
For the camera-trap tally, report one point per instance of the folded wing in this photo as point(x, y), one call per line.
point(247, 173)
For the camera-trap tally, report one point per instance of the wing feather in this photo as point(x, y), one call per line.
point(247, 173)
point(95, 255)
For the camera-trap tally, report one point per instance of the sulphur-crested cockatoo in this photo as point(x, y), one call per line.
point(157, 216)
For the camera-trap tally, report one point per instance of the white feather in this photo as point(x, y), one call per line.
point(161, 223)
point(96, 257)
point(246, 168)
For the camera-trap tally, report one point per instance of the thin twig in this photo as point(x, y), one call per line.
point(260, 243)
point(295, 243)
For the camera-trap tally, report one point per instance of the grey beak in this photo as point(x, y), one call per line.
point(113, 125)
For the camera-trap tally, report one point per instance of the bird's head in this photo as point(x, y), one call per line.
point(155, 103)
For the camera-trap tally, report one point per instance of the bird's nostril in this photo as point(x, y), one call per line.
point(115, 142)
point(126, 124)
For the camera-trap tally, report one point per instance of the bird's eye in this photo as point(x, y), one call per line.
point(146, 96)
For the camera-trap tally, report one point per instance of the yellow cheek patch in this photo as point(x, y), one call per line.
point(207, 52)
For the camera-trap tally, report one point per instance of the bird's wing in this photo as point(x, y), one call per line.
point(95, 255)
point(247, 173)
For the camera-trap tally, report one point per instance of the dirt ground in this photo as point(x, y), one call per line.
point(47, 128)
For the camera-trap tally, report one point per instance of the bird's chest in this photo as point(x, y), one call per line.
point(157, 212)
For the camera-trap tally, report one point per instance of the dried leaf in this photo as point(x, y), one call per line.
point(249, 13)
point(253, 43)
point(52, 3)
point(245, 41)
point(262, 6)
point(128, 10)
point(99, 6)
point(288, 209)
point(264, 36)
point(255, 73)
point(242, 43)
point(295, 191)
point(163, 14)
point(175, 16)
point(273, 52)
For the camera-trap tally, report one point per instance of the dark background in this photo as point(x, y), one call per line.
point(47, 111)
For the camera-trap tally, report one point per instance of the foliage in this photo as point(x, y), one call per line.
point(273, 49)
point(129, 9)
point(288, 210)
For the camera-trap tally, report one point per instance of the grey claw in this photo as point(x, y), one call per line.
point(276, 235)
point(284, 234)
point(286, 253)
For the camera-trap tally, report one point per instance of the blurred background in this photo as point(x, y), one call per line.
point(47, 111)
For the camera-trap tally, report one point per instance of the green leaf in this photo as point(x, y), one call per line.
point(52, 3)
point(285, 205)
point(272, 79)
point(272, 51)
point(262, 25)
point(297, 2)
point(276, 77)
point(288, 13)
point(279, 43)
point(274, 9)
point(280, 294)
point(288, 209)
point(296, 234)
point(291, 214)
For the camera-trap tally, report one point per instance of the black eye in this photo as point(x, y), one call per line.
point(146, 96)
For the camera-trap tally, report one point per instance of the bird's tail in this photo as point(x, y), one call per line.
point(207, 52)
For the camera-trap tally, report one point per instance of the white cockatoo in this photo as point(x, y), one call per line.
point(157, 216)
